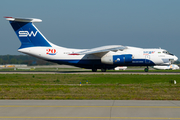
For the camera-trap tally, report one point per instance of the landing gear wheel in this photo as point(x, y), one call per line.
point(103, 69)
point(146, 69)
point(94, 70)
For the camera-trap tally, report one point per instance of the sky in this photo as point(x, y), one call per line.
point(94, 23)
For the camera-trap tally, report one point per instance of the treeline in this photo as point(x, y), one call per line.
point(22, 59)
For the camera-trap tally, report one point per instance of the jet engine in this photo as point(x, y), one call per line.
point(117, 59)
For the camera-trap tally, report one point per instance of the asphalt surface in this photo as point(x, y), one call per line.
point(88, 109)
point(85, 72)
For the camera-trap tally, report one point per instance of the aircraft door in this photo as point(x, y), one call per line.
point(147, 58)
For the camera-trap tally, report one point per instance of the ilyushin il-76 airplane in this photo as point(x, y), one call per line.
point(35, 44)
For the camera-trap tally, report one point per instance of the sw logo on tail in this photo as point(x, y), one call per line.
point(26, 34)
point(105, 57)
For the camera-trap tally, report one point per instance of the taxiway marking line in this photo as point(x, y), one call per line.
point(157, 118)
point(97, 106)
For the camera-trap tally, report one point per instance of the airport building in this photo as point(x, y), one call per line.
point(13, 65)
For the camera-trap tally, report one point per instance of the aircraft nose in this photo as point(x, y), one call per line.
point(175, 58)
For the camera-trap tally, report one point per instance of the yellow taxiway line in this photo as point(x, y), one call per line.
point(157, 118)
point(97, 106)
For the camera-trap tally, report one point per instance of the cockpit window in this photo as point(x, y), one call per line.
point(166, 52)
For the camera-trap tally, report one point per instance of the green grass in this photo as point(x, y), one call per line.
point(92, 79)
point(100, 86)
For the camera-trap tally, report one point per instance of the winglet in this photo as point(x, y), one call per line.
point(23, 19)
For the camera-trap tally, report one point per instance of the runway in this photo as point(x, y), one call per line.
point(89, 109)
point(85, 72)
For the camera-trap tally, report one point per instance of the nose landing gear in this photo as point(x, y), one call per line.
point(146, 69)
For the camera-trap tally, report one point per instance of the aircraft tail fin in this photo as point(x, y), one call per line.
point(27, 32)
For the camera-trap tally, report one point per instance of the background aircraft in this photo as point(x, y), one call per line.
point(169, 67)
point(106, 57)
point(120, 68)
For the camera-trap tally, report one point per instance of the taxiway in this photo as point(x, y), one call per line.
point(89, 109)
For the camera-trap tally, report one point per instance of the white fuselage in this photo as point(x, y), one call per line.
point(140, 56)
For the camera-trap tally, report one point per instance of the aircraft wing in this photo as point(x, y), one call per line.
point(102, 49)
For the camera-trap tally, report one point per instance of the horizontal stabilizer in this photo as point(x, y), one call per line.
point(23, 19)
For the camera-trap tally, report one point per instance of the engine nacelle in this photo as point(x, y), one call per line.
point(117, 59)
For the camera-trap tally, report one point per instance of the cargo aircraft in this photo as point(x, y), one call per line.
point(35, 44)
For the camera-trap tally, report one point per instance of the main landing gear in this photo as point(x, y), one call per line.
point(146, 69)
point(94, 70)
point(102, 70)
